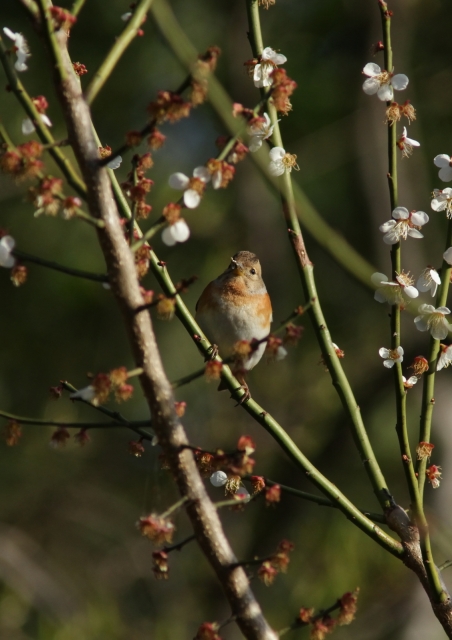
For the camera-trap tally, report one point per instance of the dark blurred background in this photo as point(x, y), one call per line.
point(72, 564)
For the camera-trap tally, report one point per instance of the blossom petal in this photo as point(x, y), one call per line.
point(411, 292)
point(191, 198)
point(168, 238)
point(426, 308)
point(276, 168)
point(383, 352)
point(414, 233)
point(202, 173)
point(46, 120)
point(27, 126)
point(371, 86)
point(438, 205)
point(385, 92)
point(387, 226)
point(435, 276)
point(388, 364)
point(400, 81)
point(371, 69)
point(447, 256)
point(442, 160)
point(439, 331)
point(218, 478)
point(444, 310)
point(277, 153)
point(445, 174)
point(115, 163)
point(180, 231)
point(378, 278)
point(217, 179)
point(10, 33)
point(401, 213)
point(178, 181)
point(419, 218)
point(421, 323)
point(379, 296)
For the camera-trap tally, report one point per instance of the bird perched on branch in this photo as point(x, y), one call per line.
point(236, 307)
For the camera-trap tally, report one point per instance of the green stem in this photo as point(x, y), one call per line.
point(306, 273)
point(41, 129)
point(324, 502)
point(122, 42)
point(26, 257)
point(257, 412)
point(72, 425)
point(331, 241)
point(77, 7)
point(115, 415)
point(438, 593)
point(428, 397)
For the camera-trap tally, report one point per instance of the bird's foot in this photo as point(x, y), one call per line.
point(212, 352)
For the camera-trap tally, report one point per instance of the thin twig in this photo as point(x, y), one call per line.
point(78, 273)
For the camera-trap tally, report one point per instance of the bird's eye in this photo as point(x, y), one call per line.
point(253, 271)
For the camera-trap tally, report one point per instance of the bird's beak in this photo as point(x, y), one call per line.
point(237, 271)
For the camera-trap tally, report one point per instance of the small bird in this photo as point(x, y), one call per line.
point(236, 306)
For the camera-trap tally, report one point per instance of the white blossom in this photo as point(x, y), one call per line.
point(177, 232)
point(442, 201)
point(243, 494)
point(115, 163)
point(260, 131)
point(443, 161)
point(192, 197)
point(445, 357)
point(280, 162)
point(405, 224)
point(408, 384)
point(398, 292)
point(28, 126)
point(126, 16)
point(218, 478)
point(447, 256)
point(7, 244)
point(383, 83)
point(391, 356)
point(21, 48)
point(428, 281)
point(87, 394)
point(433, 320)
point(406, 144)
point(269, 60)
point(281, 353)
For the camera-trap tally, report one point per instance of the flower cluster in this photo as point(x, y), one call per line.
point(136, 187)
point(268, 61)
point(103, 384)
point(79, 68)
point(276, 563)
point(158, 529)
point(47, 196)
point(204, 66)
point(20, 48)
point(282, 88)
point(24, 161)
point(41, 105)
point(169, 107)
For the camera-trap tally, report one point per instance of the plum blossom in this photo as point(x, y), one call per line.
point(434, 474)
point(398, 292)
point(405, 224)
point(126, 16)
point(383, 83)
point(406, 144)
point(7, 244)
point(177, 232)
point(409, 384)
point(115, 163)
point(218, 478)
point(447, 256)
point(445, 357)
point(391, 356)
point(444, 162)
point(433, 320)
point(28, 126)
point(20, 47)
point(428, 281)
point(260, 131)
point(193, 188)
point(269, 60)
point(281, 162)
point(442, 201)
point(86, 393)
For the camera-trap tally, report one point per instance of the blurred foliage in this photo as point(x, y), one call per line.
point(72, 564)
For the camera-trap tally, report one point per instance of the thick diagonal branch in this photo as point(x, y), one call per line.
point(156, 387)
